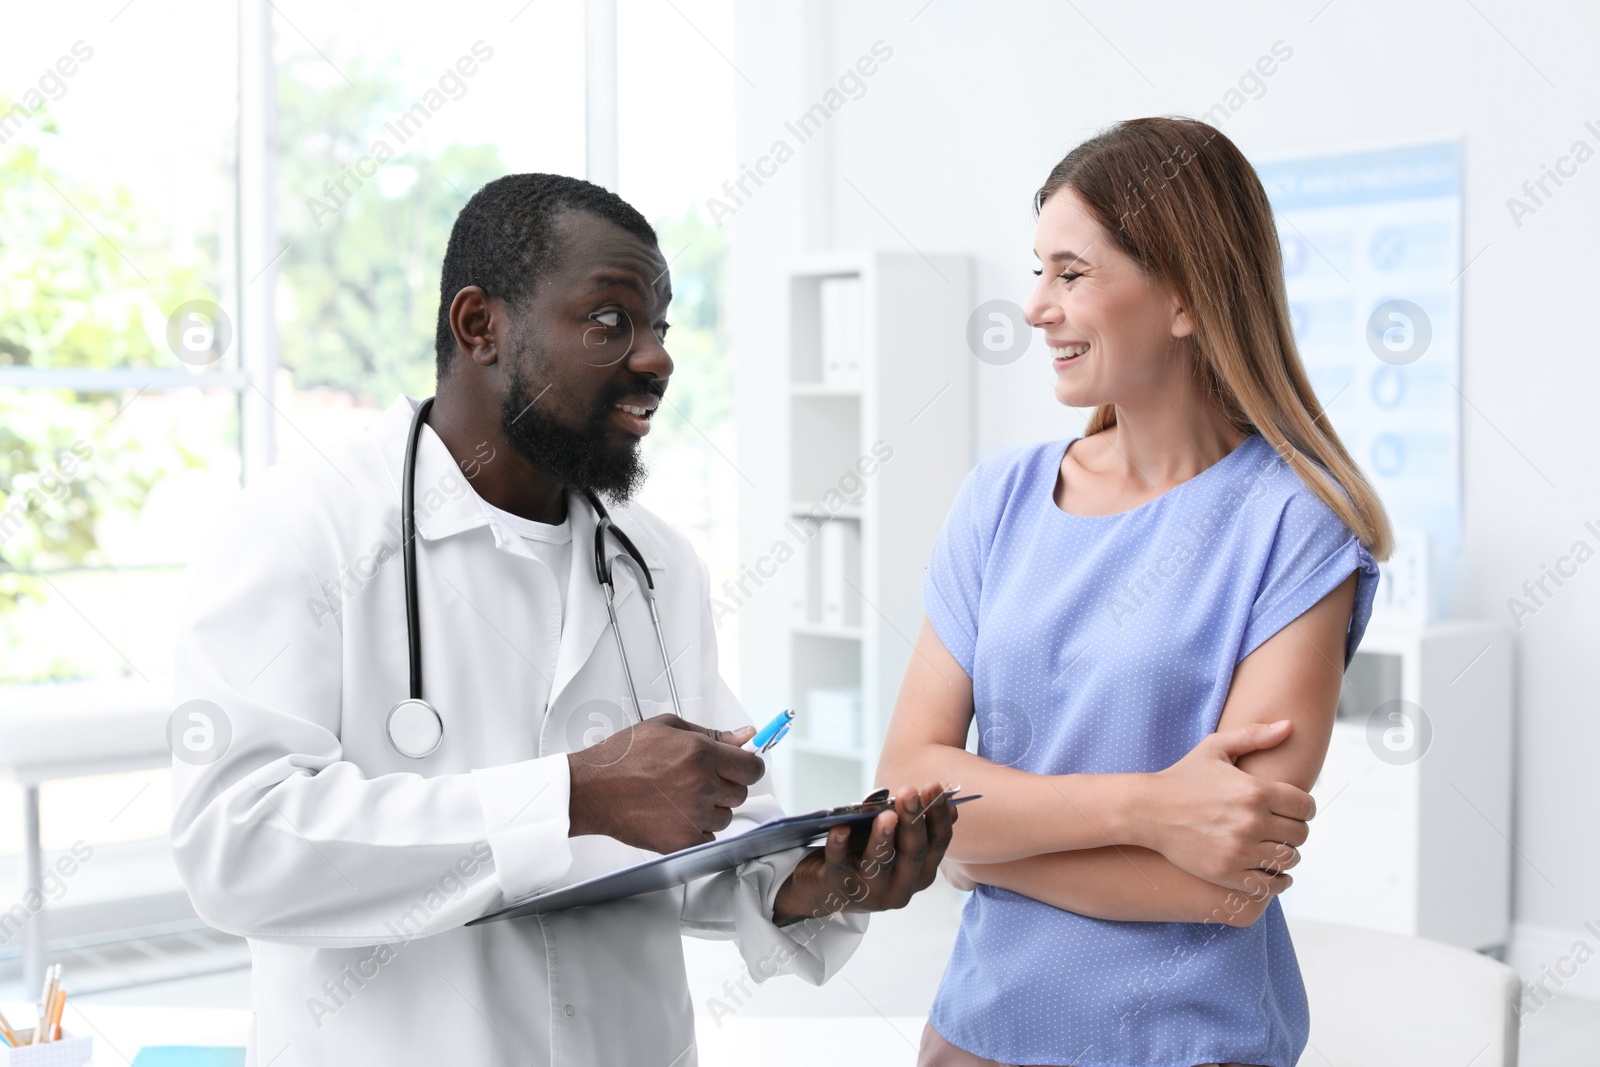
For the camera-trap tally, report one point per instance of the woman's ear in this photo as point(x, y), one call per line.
point(1181, 324)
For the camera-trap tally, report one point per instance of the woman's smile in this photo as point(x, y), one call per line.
point(1065, 354)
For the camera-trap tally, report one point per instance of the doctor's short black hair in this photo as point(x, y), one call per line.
point(502, 241)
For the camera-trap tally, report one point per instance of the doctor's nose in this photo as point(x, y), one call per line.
point(650, 357)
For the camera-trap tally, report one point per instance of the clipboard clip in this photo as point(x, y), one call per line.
point(880, 800)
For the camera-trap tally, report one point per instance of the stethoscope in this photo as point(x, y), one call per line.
point(414, 726)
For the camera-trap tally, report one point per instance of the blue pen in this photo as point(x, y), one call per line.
point(773, 732)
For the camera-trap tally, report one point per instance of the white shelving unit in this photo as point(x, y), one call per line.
point(885, 456)
point(1413, 827)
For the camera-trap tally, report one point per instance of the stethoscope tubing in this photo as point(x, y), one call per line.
point(408, 548)
point(603, 574)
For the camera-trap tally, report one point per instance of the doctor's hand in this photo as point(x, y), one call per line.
point(898, 858)
point(1221, 823)
point(663, 784)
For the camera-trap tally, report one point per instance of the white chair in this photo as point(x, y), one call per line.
point(1383, 1000)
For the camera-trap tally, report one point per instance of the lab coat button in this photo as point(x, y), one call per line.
point(568, 1010)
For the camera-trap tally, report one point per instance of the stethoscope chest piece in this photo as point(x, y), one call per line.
point(415, 729)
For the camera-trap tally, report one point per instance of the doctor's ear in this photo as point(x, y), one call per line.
point(479, 323)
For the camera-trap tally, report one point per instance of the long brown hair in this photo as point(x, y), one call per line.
point(1182, 201)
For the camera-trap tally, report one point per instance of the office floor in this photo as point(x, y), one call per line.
point(883, 992)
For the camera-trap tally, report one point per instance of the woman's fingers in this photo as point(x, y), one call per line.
point(1289, 831)
point(956, 875)
point(1290, 801)
point(1276, 857)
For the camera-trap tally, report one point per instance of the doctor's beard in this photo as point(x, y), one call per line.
point(579, 457)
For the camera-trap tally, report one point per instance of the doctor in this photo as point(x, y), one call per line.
point(351, 843)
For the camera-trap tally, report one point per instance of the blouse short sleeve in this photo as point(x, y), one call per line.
point(1312, 552)
point(953, 583)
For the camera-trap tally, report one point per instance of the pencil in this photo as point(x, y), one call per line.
point(52, 981)
point(54, 1032)
point(5, 1029)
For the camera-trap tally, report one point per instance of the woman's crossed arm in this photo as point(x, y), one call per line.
point(1204, 840)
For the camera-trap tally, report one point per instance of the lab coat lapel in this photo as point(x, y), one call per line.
point(587, 619)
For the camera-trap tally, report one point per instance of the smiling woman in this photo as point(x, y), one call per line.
point(1127, 615)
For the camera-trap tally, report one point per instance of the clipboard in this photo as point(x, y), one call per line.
point(697, 861)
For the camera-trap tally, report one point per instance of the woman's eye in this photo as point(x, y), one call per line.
point(1069, 276)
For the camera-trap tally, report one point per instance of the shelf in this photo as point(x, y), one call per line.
point(805, 389)
point(872, 469)
point(819, 629)
point(849, 511)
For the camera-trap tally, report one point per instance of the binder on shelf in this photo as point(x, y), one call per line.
point(805, 585)
point(841, 331)
point(840, 576)
point(799, 600)
point(842, 373)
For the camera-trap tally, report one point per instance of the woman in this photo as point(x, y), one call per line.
point(1125, 612)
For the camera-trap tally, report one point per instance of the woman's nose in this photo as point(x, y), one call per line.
point(1040, 313)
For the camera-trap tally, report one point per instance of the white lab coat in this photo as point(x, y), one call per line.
point(352, 869)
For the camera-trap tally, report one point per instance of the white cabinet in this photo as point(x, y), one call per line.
point(878, 429)
point(1413, 827)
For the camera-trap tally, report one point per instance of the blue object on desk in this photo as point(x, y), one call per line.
point(188, 1056)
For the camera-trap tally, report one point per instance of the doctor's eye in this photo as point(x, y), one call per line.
point(610, 338)
point(661, 331)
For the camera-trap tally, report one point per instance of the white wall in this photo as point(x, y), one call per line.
point(958, 128)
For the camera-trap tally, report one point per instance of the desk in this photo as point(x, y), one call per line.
point(120, 1031)
point(72, 730)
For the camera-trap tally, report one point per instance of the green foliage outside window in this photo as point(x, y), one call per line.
point(83, 284)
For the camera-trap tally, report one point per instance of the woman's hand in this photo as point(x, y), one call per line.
point(955, 872)
point(1220, 823)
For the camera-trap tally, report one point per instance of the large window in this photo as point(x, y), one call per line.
point(389, 117)
point(120, 383)
point(126, 379)
point(114, 216)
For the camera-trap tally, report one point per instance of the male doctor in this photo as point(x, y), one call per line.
point(351, 867)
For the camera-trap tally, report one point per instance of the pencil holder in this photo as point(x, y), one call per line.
point(68, 1052)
